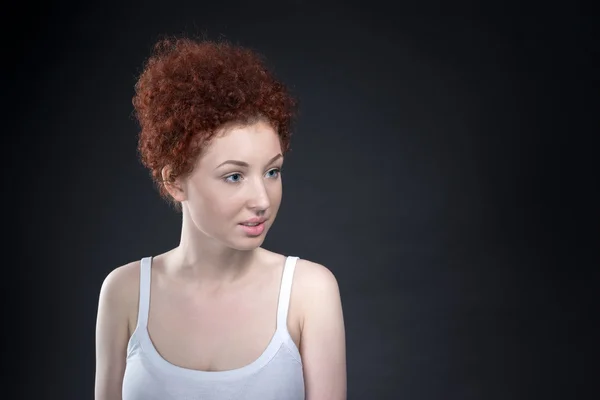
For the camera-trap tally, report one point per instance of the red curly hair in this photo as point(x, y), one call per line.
point(189, 89)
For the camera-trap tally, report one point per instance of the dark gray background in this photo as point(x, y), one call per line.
point(442, 168)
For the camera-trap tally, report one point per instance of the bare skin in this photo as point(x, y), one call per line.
point(214, 297)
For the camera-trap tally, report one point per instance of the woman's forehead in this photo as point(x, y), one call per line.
point(253, 143)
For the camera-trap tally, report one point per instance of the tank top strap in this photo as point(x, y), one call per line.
point(144, 301)
point(285, 292)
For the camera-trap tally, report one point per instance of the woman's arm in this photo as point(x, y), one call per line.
point(112, 334)
point(323, 343)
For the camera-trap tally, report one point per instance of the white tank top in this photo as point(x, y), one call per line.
point(275, 375)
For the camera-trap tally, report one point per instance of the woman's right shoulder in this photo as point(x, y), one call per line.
point(121, 286)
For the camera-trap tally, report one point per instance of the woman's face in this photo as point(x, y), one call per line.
point(237, 178)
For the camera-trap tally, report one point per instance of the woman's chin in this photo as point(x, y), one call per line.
point(247, 243)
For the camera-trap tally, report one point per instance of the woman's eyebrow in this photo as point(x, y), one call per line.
point(245, 164)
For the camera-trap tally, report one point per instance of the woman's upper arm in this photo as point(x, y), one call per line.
point(112, 333)
point(323, 342)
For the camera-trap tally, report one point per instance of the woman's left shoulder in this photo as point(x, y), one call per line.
point(314, 278)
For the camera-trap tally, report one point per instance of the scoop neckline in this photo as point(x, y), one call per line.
point(263, 359)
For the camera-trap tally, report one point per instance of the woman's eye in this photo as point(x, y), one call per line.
point(274, 173)
point(234, 178)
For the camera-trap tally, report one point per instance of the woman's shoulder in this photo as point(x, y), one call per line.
point(308, 275)
point(122, 275)
point(313, 276)
point(120, 287)
point(305, 269)
point(315, 292)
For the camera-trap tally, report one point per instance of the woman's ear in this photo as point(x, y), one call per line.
point(172, 185)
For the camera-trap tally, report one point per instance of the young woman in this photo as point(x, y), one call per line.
point(218, 316)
